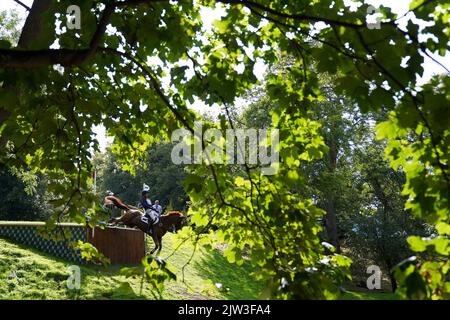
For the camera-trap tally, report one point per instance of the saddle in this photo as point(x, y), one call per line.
point(151, 218)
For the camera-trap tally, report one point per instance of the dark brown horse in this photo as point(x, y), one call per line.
point(132, 217)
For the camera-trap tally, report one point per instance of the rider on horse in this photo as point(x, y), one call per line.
point(151, 212)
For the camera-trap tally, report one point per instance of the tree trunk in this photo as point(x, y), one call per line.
point(331, 224)
point(32, 30)
point(329, 203)
point(393, 281)
point(391, 275)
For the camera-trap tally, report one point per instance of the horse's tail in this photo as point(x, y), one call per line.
point(116, 201)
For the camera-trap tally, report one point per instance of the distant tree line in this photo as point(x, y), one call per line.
point(157, 170)
point(23, 197)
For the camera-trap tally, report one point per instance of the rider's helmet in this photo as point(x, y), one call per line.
point(145, 189)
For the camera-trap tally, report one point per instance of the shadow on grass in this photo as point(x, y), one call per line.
point(241, 285)
point(351, 295)
point(28, 273)
point(121, 291)
point(107, 283)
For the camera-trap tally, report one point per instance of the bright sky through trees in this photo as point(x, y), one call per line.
point(208, 16)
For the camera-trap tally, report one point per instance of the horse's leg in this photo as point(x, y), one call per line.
point(160, 244)
point(155, 240)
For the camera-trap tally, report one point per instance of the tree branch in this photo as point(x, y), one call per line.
point(154, 83)
point(299, 17)
point(12, 58)
point(23, 5)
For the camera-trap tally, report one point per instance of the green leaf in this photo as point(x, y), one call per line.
point(417, 244)
point(443, 228)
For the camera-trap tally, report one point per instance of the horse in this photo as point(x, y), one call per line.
point(132, 217)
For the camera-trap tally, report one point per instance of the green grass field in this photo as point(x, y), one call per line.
point(26, 273)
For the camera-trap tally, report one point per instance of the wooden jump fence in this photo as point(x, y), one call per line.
point(120, 245)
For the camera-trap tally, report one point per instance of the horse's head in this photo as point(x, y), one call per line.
point(181, 222)
point(180, 219)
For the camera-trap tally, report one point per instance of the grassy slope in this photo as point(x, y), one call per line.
point(28, 274)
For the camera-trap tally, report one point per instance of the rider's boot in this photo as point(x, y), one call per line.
point(151, 229)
